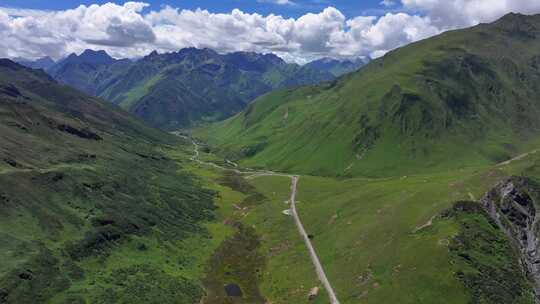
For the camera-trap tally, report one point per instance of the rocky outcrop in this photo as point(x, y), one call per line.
point(82, 133)
point(513, 205)
point(10, 90)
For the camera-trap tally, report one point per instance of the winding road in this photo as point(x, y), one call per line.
point(294, 186)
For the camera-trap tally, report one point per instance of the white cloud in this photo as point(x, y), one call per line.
point(24, 12)
point(388, 3)
point(278, 2)
point(128, 31)
point(32, 33)
point(460, 13)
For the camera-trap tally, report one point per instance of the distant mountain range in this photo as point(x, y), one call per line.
point(180, 89)
point(41, 63)
point(338, 67)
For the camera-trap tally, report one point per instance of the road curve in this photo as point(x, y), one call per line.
point(294, 184)
point(314, 258)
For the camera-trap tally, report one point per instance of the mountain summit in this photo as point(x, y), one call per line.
point(89, 71)
point(91, 57)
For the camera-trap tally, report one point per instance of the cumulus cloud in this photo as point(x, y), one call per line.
point(128, 30)
point(31, 33)
point(460, 13)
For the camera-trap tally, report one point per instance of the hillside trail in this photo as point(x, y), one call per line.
point(519, 157)
point(250, 174)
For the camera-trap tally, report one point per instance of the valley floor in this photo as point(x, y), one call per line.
point(379, 240)
point(249, 174)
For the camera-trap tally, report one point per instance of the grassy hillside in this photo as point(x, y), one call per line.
point(467, 97)
point(91, 209)
point(403, 140)
point(485, 260)
point(392, 240)
point(381, 240)
point(97, 208)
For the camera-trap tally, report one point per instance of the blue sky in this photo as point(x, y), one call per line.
point(302, 31)
point(348, 7)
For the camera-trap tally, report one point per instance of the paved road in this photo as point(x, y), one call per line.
point(294, 185)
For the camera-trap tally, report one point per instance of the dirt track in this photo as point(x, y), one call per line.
point(314, 258)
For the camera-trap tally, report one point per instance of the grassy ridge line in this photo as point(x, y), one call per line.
point(460, 99)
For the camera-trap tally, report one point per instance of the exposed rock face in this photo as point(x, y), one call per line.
point(82, 133)
point(513, 205)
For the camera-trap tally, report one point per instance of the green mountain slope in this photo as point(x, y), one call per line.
point(81, 180)
point(466, 97)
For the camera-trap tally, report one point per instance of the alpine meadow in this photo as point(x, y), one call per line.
point(256, 152)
